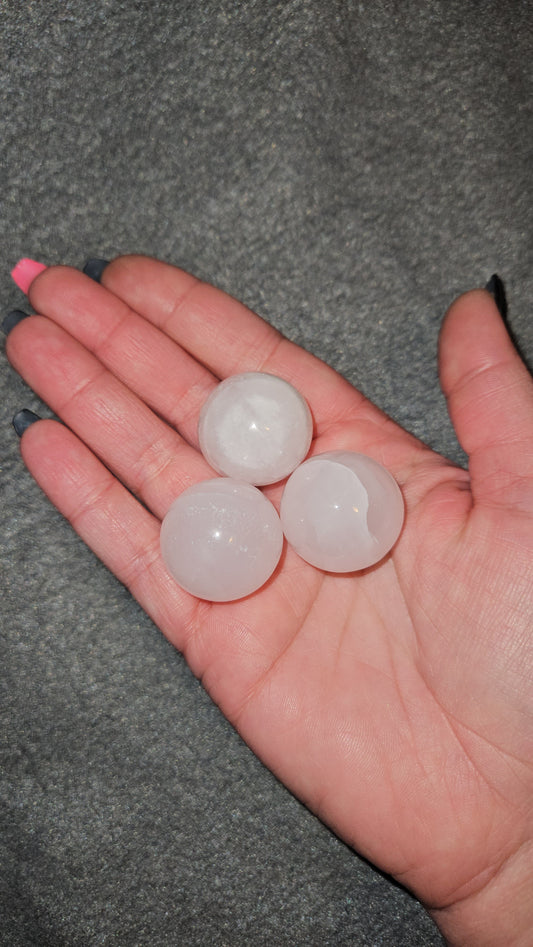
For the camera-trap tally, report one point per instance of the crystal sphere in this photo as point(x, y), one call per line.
point(255, 427)
point(341, 511)
point(221, 539)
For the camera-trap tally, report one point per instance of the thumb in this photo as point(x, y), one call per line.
point(490, 400)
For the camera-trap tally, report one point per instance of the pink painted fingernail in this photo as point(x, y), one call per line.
point(25, 272)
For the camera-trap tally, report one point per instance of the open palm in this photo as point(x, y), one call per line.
point(397, 703)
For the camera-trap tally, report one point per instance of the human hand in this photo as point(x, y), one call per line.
point(397, 703)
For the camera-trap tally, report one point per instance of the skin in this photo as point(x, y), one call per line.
point(397, 703)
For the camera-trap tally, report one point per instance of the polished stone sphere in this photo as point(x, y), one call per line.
point(255, 427)
point(221, 539)
point(341, 511)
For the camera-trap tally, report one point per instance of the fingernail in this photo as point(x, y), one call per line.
point(497, 290)
point(25, 272)
point(95, 267)
point(12, 319)
point(23, 419)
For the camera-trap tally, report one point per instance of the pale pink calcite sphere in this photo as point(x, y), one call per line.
point(221, 539)
point(341, 511)
point(255, 427)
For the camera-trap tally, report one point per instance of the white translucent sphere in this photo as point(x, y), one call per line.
point(221, 539)
point(255, 427)
point(341, 511)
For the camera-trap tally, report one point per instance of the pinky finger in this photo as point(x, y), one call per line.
point(118, 529)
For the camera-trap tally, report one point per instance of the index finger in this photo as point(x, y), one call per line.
point(228, 338)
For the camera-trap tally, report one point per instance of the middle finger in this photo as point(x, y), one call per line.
point(144, 452)
point(173, 383)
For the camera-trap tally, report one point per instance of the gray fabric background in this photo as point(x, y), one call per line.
point(345, 168)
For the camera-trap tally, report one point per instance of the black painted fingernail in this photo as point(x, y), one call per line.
point(23, 419)
point(497, 290)
point(94, 268)
point(12, 319)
